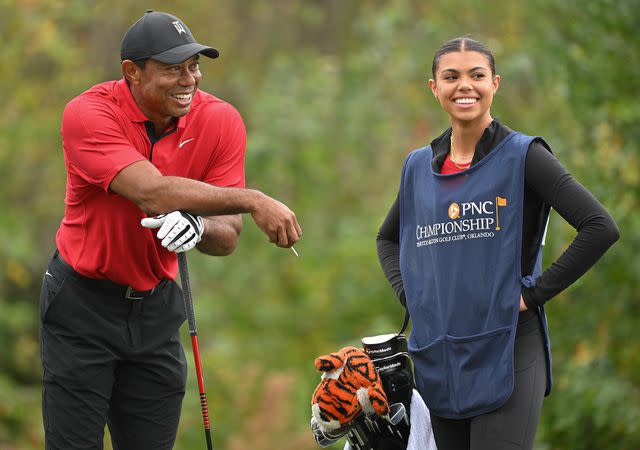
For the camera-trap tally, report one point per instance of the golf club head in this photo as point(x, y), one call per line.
point(397, 412)
point(326, 438)
point(368, 431)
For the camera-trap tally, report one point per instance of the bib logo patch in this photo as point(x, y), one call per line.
point(469, 220)
point(454, 211)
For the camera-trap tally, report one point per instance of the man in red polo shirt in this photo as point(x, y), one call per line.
point(155, 166)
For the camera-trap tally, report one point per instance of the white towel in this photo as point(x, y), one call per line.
point(421, 433)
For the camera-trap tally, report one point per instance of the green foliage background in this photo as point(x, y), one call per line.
point(334, 96)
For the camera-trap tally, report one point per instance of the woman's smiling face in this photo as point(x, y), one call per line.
point(465, 85)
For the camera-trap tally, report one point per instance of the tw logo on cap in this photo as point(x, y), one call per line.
point(179, 27)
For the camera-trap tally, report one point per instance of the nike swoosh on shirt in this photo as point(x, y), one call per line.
point(47, 273)
point(185, 141)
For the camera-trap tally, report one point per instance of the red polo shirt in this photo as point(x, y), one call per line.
point(104, 131)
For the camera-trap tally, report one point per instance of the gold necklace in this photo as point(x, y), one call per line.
point(453, 158)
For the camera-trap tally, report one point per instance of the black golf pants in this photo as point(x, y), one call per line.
point(513, 425)
point(109, 360)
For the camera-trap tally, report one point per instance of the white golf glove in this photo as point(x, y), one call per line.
point(179, 231)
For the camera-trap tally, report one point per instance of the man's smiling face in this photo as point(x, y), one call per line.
point(165, 91)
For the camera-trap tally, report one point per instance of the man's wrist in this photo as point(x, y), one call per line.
point(254, 199)
point(205, 227)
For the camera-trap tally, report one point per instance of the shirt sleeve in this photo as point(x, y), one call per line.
point(226, 164)
point(95, 145)
point(596, 229)
point(388, 247)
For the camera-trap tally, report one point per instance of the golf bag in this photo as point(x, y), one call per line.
point(389, 355)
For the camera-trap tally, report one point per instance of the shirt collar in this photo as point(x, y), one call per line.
point(491, 137)
point(132, 110)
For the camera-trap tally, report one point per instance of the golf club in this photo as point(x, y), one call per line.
point(191, 319)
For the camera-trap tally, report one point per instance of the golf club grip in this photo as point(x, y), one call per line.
point(186, 291)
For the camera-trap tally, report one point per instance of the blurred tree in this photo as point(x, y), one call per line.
point(334, 97)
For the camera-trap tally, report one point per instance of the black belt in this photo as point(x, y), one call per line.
point(119, 290)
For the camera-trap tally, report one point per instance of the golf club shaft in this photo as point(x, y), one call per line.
point(191, 319)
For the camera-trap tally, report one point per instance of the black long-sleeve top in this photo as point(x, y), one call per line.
point(547, 184)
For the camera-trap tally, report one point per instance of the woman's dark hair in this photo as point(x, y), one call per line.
point(461, 44)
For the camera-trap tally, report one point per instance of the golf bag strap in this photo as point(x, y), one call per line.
point(405, 323)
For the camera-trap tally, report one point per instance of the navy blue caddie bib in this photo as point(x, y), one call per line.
point(460, 246)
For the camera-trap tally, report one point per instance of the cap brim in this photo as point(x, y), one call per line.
point(183, 52)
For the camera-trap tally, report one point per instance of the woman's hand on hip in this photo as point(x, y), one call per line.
point(523, 306)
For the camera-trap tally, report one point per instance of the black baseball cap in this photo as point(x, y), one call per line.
point(162, 37)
